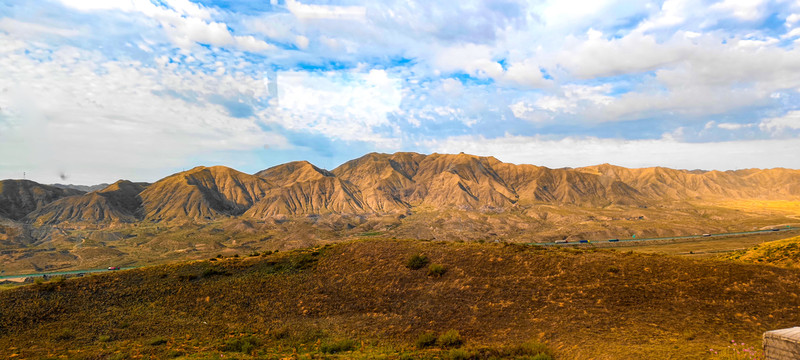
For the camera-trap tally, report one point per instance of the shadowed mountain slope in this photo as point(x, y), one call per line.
point(202, 193)
point(20, 197)
point(306, 189)
point(118, 202)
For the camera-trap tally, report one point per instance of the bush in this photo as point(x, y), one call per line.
point(460, 354)
point(158, 340)
point(243, 345)
point(530, 350)
point(451, 338)
point(436, 270)
point(213, 271)
point(279, 333)
point(417, 261)
point(338, 346)
point(426, 339)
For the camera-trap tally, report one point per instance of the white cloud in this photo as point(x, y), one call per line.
point(743, 9)
point(305, 11)
point(792, 19)
point(526, 73)
point(184, 22)
point(344, 106)
point(117, 118)
point(473, 59)
point(733, 126)
point(585, 151)
point(595, 56)
point(777, 124)
point(27, 29)
point(673, 12)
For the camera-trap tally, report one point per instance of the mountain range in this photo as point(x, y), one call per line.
point(379, 184)
point(461, 197)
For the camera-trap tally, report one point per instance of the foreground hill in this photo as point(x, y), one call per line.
point(784, 252)
point(360, 300)
point(20, 197)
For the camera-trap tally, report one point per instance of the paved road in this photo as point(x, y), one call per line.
point(59, 273)
point(665, 238)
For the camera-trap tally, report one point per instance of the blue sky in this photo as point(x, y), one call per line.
point(96, 90)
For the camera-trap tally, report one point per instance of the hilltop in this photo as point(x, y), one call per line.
point(196, 213)
point(362, 296)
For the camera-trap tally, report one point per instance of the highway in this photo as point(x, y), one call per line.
point(19, 276)
point(621, 240)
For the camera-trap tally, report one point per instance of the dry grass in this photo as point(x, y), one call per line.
point(784, 252)
point(495, 296)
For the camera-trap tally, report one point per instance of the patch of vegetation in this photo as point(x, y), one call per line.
point(436, 270)
point(450, 338)
point(243, 344)
point(371, 233)
point(64, 335)
point(212, 271)
point(529, 350)
point(155, 341)
point(425, 340)
point(461, 354)
point(417, 261)
point(338, 346)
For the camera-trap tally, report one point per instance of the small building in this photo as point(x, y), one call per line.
point(783, 344)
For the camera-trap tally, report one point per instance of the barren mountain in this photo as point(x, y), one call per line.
point(378, 184)
point(20, 197)
point(202, 193)
point(118, 202)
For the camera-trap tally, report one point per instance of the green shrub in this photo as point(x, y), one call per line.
point(243, 345)
point(451, 338)
point(417, 261)
point(530, 350)
point(460, 354)
point(426, 339)
point(338, 346)
point(279, 333)
point(158, 340)
point(436, 270)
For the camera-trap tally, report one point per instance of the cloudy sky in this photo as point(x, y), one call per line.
point(96, 90)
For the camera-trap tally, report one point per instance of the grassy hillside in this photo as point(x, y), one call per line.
point(784, 252)
point(361, 300)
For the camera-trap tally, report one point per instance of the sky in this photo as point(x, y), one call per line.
point(93, 91)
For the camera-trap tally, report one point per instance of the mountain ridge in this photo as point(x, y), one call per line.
point(377, 183)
